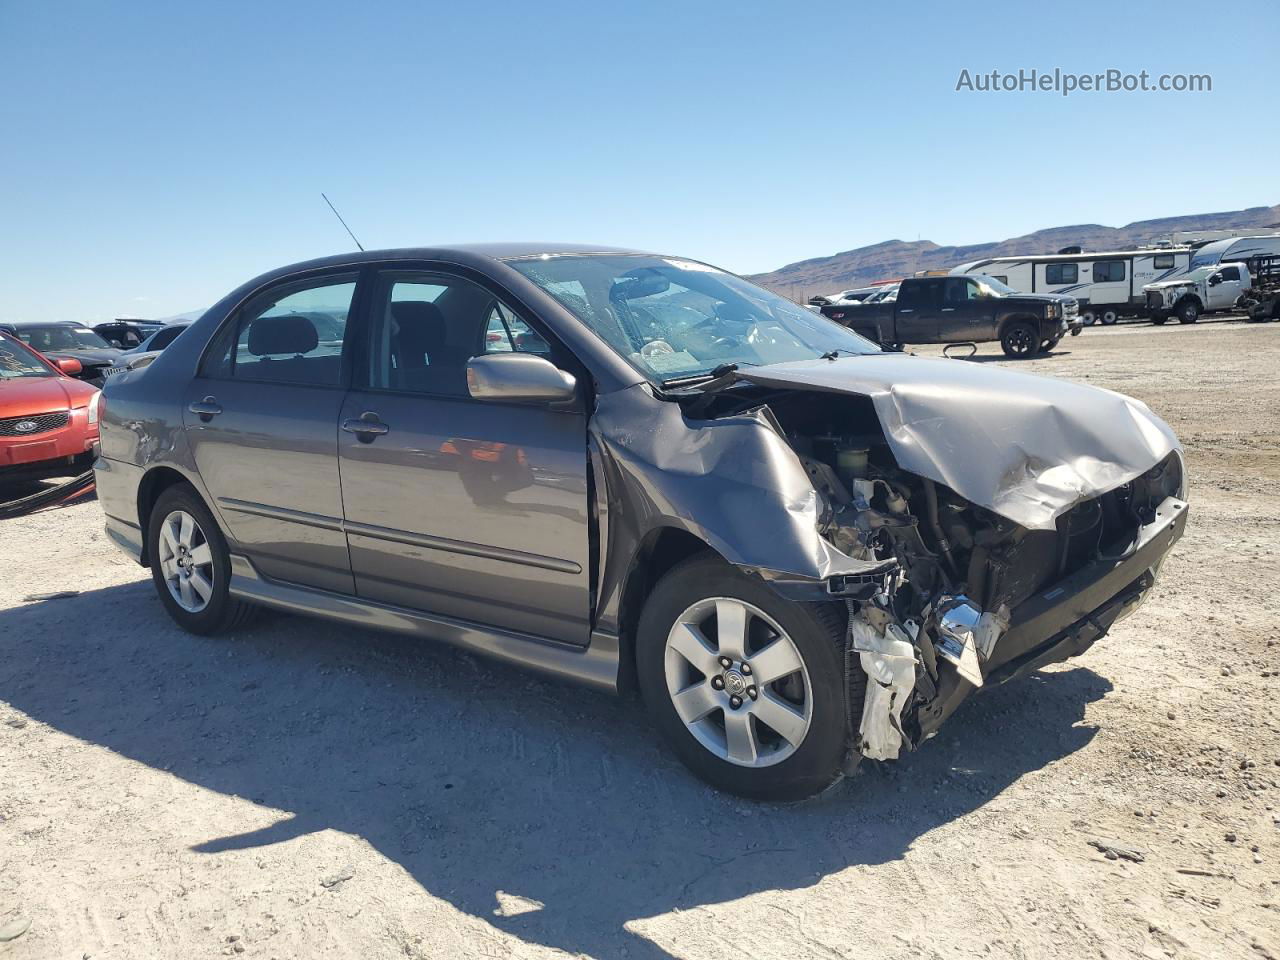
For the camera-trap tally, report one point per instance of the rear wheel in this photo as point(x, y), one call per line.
point(1088, 318)
point(191, 565)
point(746, 687)
point(1109, 317)
point(1160, 319)
point(1188, 311)
point(1020, 340)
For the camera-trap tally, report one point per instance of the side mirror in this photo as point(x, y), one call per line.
point(70, 366)
point(518, 377)
point(1215, 280)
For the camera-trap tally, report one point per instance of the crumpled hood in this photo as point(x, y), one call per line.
point(1025, 446)
point(1169, 284)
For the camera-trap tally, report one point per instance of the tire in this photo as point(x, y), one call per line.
point(1188, 311)
point(1020, 340)
point(774, 767)
point(1160, 319)
point(1088, 318)
point(218, 611)
point(1109, 317)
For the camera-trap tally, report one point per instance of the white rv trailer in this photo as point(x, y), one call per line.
point(1235, 250)
point(1106, 285)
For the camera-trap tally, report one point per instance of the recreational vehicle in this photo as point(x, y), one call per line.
point(1235, 250)
point(1106, 285)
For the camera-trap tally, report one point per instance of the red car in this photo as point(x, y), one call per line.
point(48, 421)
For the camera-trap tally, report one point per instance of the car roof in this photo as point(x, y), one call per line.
point(36, 324)
point(466, 251)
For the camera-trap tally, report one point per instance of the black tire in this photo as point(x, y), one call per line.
point(1160, 319)
point(1020, 340)
point(816, 629)
point(1188, 311)
point(222, 611)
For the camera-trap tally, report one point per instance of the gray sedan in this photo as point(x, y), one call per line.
point(639, 471)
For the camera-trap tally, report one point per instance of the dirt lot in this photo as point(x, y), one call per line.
point(309, 790)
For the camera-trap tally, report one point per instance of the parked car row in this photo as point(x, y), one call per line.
point(97, 350)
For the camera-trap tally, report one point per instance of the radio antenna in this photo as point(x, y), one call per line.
point(341, 221)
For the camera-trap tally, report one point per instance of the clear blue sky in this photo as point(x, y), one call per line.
point(154, 155)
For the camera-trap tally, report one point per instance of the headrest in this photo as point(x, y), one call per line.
point(291, 334)
point(421, 324)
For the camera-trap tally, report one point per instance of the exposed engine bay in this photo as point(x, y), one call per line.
point(929, 631)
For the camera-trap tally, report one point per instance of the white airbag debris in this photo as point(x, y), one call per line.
point(889, 661)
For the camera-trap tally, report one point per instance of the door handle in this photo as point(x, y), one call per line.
point(367, 427)
point(205, 409)
point(948, 309)
point(908, 310)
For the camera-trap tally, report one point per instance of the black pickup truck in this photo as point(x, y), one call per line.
point(965, 309)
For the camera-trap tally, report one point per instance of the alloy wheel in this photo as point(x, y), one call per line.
point(186, 561)
point(738, 682)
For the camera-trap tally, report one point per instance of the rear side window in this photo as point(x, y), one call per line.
point(289, 334)
point(1108, 271)
point(914, 294)
point(1055, 273)
point(1163, 261)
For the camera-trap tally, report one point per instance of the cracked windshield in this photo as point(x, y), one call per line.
point(677, 319)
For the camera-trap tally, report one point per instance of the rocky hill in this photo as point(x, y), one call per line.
point(897, 258)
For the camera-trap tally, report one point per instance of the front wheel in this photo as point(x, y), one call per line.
point(1109, 317)
point(191, 565)
point(1188, 311)
point(747, 688)
point(1020, 341)
point(1088, 318)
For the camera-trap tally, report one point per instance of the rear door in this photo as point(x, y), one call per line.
point(261, 418)
point(471, 509)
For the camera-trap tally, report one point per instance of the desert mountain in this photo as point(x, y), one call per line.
point(898, 258)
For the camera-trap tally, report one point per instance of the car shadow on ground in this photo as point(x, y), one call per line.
point(477, 778)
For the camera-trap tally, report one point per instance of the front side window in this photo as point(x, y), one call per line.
point(290, 334)
point(960, 290)
point(55, 338)
point(675, 319)
point(1108, 271)
point(1230, 273)
point(1056, 273)
point(425, 327)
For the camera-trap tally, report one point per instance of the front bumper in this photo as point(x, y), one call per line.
point(1064, 620)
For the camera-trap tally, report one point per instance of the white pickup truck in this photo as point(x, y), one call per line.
point(1203, 290)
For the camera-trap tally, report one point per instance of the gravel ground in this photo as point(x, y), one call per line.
point(304, 789)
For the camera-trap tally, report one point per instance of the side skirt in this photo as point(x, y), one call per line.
point(595, 665)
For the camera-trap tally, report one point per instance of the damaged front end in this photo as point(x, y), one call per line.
point(1051, 539)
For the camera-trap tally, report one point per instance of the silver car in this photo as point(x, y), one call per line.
point(639, 471)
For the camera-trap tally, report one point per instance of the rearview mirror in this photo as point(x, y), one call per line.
point(70, 366)
point(518, 377)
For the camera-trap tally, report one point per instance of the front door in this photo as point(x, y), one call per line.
point(261, 419)
point(472, 509)
point(968, 313)
point(917, 310)
point(1227, 291)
